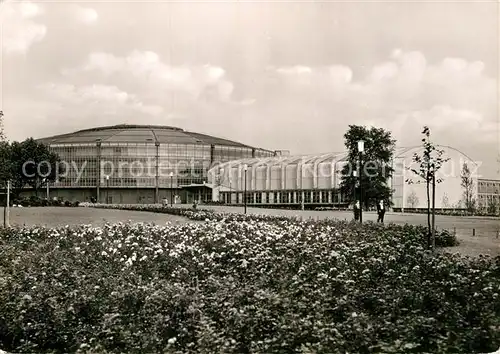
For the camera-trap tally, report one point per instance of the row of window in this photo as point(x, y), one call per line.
point(163, 150)
point(495, 190)
point(281, 197)
point(488, 196)
point(124, 181)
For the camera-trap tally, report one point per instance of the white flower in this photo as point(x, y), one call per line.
point(172, 340)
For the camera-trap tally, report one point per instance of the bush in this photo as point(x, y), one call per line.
point(242, 283)
point(444, 238)
point(56, 202)
point(34, 201)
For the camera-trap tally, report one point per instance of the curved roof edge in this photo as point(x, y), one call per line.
point(400, 152)
point(125, 126)
point(405, 150)
point(194, 136)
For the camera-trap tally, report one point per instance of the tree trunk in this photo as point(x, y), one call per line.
point(467, 199)
point(433, 240)
point(428, 214)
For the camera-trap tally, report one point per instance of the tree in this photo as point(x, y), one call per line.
point(492, 208)
point(33, 164)
point(445, 202)
point(467, 183)
point(2, 132)
point(412, 200)
point(5, 163)
point(428, 164)
point(376, 164)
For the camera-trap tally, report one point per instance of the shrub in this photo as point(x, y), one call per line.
point(56, 202)
point(444, 238)
point(242, 283)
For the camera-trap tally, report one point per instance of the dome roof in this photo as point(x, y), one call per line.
point(128, 133)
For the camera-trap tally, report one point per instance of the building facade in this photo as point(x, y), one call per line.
point(488, 192)
point(314, 181)
point(286, 181)
point(140, 163)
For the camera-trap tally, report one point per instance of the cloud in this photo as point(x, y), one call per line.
point(445, 120)
point(19, 30)
point(98, 98)
point(149, 72)
point(452, 95)
point(86, 15)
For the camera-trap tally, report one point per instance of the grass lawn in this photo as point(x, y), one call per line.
point(62, 216)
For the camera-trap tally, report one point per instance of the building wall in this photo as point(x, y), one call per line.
point(114, 195)
point(488, 192)
point(282, 179)
point(141, 166)
point(449, 192)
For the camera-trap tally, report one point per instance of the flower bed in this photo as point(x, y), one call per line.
point(239, 284)
point(444, 238)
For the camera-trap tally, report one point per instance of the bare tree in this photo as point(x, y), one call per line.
point(412, 200)
point(445, 202)
point(467, 183)
point(428, 164)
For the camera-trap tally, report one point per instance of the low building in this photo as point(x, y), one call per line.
point(314, 180)
point(488, 191)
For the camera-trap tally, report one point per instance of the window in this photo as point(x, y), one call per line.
point(276, 196)
point(315, 197)
point(324, 196)
point(267, 197)
point(307, 197)
point(258, 198)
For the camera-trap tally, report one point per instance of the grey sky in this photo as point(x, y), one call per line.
point(280, 75)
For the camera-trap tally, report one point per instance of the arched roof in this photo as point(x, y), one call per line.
point(405, 152)
point(286, 160)
point(400, 152)
point(134, 133)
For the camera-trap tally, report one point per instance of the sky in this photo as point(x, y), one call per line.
point(277, 75)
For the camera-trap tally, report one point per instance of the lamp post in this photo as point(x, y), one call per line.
point(245, 168)
point(107, 189)
point(361, 149)
point(171, 189)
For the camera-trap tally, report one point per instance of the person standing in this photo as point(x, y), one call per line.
point(356, 211)
point(380, 211)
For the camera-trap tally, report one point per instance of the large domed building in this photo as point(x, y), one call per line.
point(141, 163)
